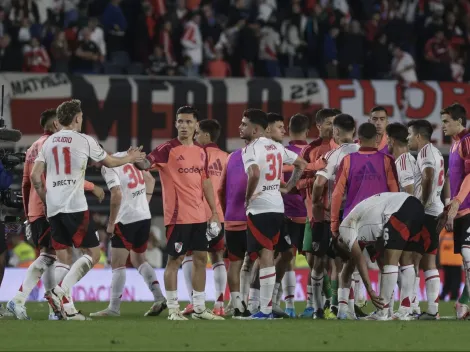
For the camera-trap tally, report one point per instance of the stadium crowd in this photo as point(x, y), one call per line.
point(404, 39)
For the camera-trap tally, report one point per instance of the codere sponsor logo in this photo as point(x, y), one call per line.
point(189, 170)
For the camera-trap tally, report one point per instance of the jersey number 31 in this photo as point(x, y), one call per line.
point(275, 166)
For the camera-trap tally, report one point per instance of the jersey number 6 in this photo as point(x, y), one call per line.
point(275, 166)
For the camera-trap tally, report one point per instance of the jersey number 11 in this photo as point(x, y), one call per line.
point(67, 160)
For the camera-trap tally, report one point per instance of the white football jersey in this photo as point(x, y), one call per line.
point(430, 156)
point(66, 156)
point(134, 205)
point(333, 160)
point(366, 221)
point(408, 171)
point(269, 156)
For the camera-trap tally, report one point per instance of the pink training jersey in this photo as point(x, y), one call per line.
point(294, 205)
point(216, 164)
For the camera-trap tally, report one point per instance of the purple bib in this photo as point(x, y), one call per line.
point(235, 188)
point(457, 173)
point(294, 205)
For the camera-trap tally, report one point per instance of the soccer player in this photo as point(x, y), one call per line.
point(388, 220)
point(407, 170)
point(207, 134)
point(294, 210)
point(182, 165)
point(409, 178)
point(379, 118)
point(263, 159)
point(361, 175)
point(232, 197)
point(65, 155)
point(431, 167)
point(129, 225)
point(39, 228)
point(343, 132)
point(457, 214)
point(312, 154)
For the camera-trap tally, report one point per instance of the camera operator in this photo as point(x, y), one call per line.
point(6, 178)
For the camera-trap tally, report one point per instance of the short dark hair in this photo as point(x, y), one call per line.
point(46, 116)
point(323, 114)
point(299, 123)
point(257, 117)
point(188, 109)
point(212, 127)
point(344, 122)
point(456, 111)
point(274, 117)
point(422, 127)
point(367, 131)
point(398, 132)
point(337, 111)
point(67, 111)
point(378, 108)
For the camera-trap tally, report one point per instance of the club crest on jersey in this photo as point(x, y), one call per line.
point(178, 246)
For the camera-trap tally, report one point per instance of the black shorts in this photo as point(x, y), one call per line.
point(3, 239)
point(461, 233)
point(321, 237)
point(217, 244)
point(236, 245)
point(403, 230)
point(73, 230)
point(133, 236)
point(292, 236)
point(182, 238)
point(41, 233)
point(429, 235)
point(263, 231)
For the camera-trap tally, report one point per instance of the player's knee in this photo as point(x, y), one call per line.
point(199, 259)
point(137, 259)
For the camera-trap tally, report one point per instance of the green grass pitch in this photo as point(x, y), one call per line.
point(134, 332)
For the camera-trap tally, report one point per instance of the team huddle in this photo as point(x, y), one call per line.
point(346, 205)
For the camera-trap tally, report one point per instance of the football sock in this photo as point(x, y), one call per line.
point(279, 295)
point(277, 286)
point(267, 278)
point(317, 279)
point(415, 300)
point(220, 283)
point(309, 295)
point(343, 298)
point(253, 303)
point(351, 298)
point(48, 278)
point(150, 278)
point(466, 265)
point(334, 292)
point(187, 267)
point(288, 286)
point(77, 271)
point(199, 301)
point(327, 286)
point(358, 292)
point(33, 274)
point(236, 299)
point(245, 280)
point(60, 271)
point(172, 300)
point(407, 278)
point(388, 283)
point(433, 283)
point(117, 287)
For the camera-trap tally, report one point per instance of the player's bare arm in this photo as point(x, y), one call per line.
point(361, 264)
point(133, 155)
point(299, 167)
point(252, 183)
point(410, 189)
point(446, 189)
point(98, 192)
point(143, 165)
point(210, 198)
point(426, 184)
point(149, 184)
point(114, 205)
point(36, 179)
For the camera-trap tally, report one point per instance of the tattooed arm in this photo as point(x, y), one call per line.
point(299, 167)
point(36, 178)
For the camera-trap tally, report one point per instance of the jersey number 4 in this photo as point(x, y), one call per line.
point(275, 166)
point(67, 160)
point(135, 176)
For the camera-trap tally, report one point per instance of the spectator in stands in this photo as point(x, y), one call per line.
point(4, 22)
point(70, 11)
point(351, 52)
point(60, 53)
point(372, 27)
point(115, 26)
point(456, 66)
point(145, 34)
point(96, 36)
point(88, 55)
point(403, 66)
point(157, 62)
point(210, 30)
point(24, 9)
point(378, 63)
point(270, 42)
point(218, 68)
point(36, 58)
point(165, 41)
point(24, 33)
point(181, 10)
point(330, 52)
point(248, 48)
point(438, 57)
point(266, 9)
point(11, 57)
point(292, 30)
point(192, 44)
